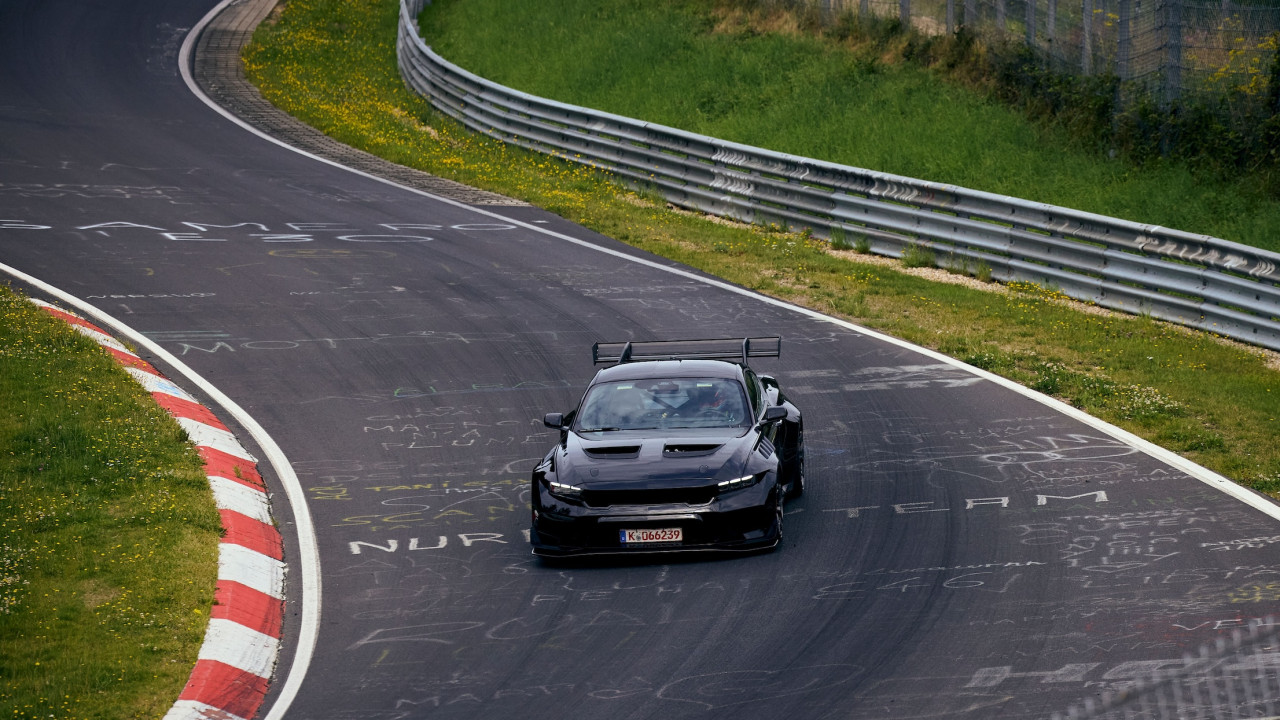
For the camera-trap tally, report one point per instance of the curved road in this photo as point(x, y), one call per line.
point(964, 550)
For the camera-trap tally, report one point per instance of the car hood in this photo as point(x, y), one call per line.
point(623, 459)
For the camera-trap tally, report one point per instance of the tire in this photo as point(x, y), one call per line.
point(777, 520)
point(795, 485)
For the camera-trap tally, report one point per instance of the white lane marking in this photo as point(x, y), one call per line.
point(236, 563)
point(309, 561)
point(1202, 474)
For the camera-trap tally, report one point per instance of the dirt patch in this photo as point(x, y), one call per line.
point(733, 21)
point(414, 123)
point(932, 274)
point(95, 593)
point(928, 26)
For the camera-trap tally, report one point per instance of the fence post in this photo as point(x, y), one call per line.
point(1126, 41)
point(864, 8)
point(904, 13)
point(1001, 18)
point(1086, 37)
point(951, 17)
point(1031, 24)
point(971, 14)
point(1051, 31)
point(1173, 60)
point(1275, 77)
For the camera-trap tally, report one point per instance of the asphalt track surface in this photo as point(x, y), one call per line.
point(963, 550)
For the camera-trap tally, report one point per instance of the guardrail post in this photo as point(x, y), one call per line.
point(971, 14)
point(951, 17)
point(1002, 17)
point(904, 13)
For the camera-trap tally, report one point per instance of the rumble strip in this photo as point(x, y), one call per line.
point(242, 641)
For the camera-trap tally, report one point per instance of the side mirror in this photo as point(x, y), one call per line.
point(555, 421)
point(773, 414)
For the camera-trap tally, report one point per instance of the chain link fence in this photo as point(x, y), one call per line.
point(1175, 48)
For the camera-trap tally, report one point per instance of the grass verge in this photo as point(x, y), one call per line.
point(332, 64)
point(108, 532)
point(757, 76)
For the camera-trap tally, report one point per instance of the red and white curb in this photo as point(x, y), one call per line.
point(242, 641)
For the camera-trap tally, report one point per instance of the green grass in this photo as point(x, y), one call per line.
point(332, 63)
point(757, 80)
point(916, 256)
point(108, 532)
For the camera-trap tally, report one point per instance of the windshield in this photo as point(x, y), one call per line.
point(663, 403)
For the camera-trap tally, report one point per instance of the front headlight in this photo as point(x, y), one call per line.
point(738, 483)
point(564, 491)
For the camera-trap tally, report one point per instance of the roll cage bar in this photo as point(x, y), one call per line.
point(738, 350)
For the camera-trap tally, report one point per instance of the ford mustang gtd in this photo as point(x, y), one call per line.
point(678, 445)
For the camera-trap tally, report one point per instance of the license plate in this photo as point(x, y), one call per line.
point(655, 535)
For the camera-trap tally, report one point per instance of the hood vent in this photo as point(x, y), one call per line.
point(615, 451)
point(690, 449)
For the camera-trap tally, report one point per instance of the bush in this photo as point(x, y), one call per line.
point(1222, 132)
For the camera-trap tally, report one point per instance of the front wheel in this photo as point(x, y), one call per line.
point(777, 519)
point(795, 486)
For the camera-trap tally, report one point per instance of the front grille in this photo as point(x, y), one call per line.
point(649, 496)
point(617, 451)
point(690, 449)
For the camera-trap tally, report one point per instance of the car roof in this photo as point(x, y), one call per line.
point(669, 368)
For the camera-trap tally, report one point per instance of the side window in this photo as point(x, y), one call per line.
point(753, 390)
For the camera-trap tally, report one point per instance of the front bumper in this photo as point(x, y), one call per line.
point(741, 521)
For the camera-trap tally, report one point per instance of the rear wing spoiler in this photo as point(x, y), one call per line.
point(735, 349)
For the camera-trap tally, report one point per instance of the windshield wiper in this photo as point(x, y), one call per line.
point(600, 429)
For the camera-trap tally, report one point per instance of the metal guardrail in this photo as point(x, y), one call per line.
point(1195, 280)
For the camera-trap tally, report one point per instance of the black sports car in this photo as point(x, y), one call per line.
point(678, 446)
